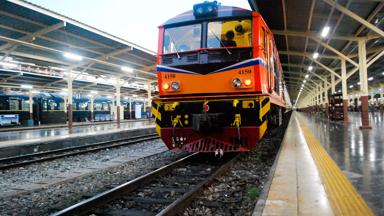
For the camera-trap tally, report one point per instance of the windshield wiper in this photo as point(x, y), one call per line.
point(174, 42)
point(217, 38)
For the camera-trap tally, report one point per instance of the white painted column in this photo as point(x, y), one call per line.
point(113, 112)
point(321, 94)
point(344, 79)
point(130, 108)
point(363, 84)
point(65, 104)
point(92, 107)
point(344, 89)
point(70, 96)
point(326, 92)
point(333, 85)
point(118, 101)
point(30, 105)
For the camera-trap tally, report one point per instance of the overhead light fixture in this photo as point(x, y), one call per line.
point(304, 81)
point(306, 76)
point(127, 69)
point(94, 92)
point(35, 92)
point(8, 65)
point(26, 86)
point(72, 56)
point(351, 86)
point(310, 68)
point(325, 31)
point(134, 95)
point(358, 83)
point(370, 78)
point(126, 98)
point(315, 55)
point(64, 90)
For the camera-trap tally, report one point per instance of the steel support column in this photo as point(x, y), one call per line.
point(92, 108)
point(118, 102)
point(30, 105)
point(70, 93)
point(363, 85)
point(113, 112)
point(149, 100)
point(130, 108)
point(344, 89)
point(333, 84)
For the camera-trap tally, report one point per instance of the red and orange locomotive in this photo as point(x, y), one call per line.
point(220, 80)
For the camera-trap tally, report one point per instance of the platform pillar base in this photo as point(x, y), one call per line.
point(364, 113)
point(345, 111)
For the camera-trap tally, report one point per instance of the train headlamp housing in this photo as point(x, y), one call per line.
point(205, 9)
point(236, 83)
point(247, 82)
point(165, 86)
point(175, 86)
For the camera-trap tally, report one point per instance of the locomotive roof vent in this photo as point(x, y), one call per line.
point(206, 9)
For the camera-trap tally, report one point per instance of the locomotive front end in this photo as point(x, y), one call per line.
point(210, 82)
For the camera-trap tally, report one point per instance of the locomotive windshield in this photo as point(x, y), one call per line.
point(229, 34)
point(180, 39)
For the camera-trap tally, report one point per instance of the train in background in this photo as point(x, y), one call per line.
point(48, 108)
point(220, 80)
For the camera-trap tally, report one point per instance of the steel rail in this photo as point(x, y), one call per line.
point(22, 160)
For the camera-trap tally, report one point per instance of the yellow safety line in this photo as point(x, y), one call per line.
point(345, 200)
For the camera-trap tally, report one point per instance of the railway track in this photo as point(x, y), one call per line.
point(22, 160)
point(164, 191)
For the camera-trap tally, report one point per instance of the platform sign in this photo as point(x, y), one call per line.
point(138, 111)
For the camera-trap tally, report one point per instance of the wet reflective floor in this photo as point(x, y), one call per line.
point(359, 153)
point(15, 136)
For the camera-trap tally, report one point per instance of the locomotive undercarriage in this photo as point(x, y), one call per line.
point(212, 125)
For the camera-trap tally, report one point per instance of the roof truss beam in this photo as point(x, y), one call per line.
point(355, 17)
point(31, 36)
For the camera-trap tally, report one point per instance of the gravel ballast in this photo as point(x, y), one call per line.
point(32, 190)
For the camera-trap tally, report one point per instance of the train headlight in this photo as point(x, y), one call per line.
point(205, 9)
point(236, 83)
point(247, 82)
point(175, 86)
point(165, 86)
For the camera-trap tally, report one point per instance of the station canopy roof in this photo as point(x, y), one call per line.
point(39, 47)
point(297, 26)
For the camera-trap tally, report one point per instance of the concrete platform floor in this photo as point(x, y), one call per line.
point(358, 153)
point(7, 138)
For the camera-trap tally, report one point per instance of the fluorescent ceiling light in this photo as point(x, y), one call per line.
point(127, 69)
point(35, 92)
point(315, 55)
point(306, 76)
point(358, 83)
point(64, 90)
point(325, 31)
point(72, 56)
point(134, 95)
point(370, 78)
point(351, 86)
point(304, 81)
point(26, 86)
point(8, 65)
point(64, 93)
point(126, 98)
point(94, 92)
point(310, 68)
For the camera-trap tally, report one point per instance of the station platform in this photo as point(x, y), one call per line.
point(326, 168)
point(22, 137)
point(75, 124)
